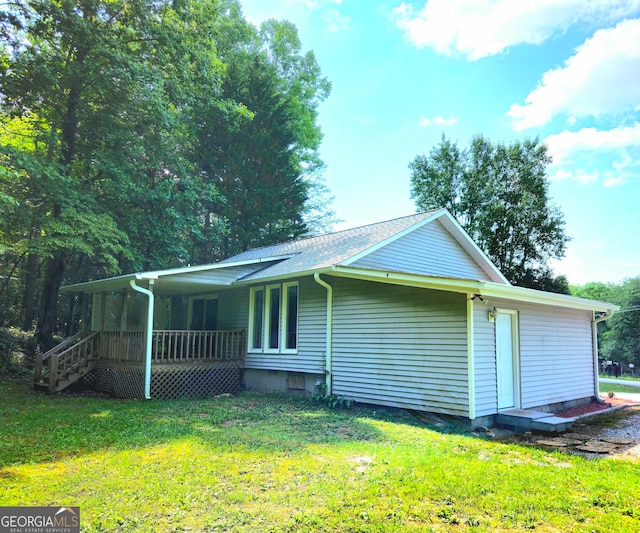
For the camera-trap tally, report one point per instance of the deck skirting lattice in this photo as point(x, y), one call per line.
point(168, 381)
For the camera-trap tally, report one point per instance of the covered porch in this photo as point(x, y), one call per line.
point(148, 339)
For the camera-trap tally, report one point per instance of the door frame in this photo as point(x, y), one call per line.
point(515, 353)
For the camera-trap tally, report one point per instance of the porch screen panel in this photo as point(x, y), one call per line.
point(211, 315)
point(197, 315)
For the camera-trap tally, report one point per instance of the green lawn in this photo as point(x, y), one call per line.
point(628, 378)
point(614, 387)
point(260, 463)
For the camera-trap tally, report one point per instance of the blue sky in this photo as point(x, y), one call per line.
point(404, 73)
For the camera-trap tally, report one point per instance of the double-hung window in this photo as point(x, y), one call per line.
point(273, 318)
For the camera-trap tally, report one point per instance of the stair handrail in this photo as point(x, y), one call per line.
point(78, 344)
point(59, 347)
point(57, 354)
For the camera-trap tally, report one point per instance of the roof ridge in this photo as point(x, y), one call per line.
point(424, 214)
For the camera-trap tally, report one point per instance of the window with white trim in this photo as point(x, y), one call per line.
point(273, 318)
point(256, 313)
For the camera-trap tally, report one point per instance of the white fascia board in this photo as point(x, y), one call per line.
point(394, 237)
point(523, 294)
point(107, 284)
point(481, 288)
point(409, 280)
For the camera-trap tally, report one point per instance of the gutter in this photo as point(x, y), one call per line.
point(329, 345)
point(487, 289)
point(596, 369)
point(149, 334)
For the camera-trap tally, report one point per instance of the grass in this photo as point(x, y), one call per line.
point(625, 377)
point(614, 387)
point(273, 463)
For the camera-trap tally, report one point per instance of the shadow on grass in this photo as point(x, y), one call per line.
point(37, 427)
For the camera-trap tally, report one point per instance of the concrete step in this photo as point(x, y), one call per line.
point(525, 420)
point(551, 424)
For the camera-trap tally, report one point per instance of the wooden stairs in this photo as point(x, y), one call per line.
point(66, 363)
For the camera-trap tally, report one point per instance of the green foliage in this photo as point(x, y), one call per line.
point(145, 135)
point(334, 401)
point(17, 349)
point(619, 336)
point(499, 194)
point(266, 164)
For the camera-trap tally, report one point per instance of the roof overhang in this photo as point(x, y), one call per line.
point(183, 281)
point(486, 289)
point(173, 281)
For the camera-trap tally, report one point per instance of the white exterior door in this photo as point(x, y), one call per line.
point(507, 359)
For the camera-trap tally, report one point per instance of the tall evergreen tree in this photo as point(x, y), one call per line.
point(263, 164)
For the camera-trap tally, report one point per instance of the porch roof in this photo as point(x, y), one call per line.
point(187, 280)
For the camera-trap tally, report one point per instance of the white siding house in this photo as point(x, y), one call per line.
point(407, 313)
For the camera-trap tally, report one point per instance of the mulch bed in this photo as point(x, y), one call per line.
point(593, 407)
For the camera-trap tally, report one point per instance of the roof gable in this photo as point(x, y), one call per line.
point(430, 250)
point(417, 244)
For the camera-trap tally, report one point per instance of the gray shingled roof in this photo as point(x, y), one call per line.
point(286, 259)
point(326, 250)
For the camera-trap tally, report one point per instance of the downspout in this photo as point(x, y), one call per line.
point(149, 335)
point(329, 334)
point(471, 364)
point(594, 327)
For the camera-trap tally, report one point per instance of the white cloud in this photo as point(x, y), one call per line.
point(601, 78)
point(336, 21)
point(482, 28)
point(581, 176)
point(438, 121)
point(564, 145)
point(590, 155)
point(614, 181)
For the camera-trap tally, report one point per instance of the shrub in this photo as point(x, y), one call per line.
point(17, 352)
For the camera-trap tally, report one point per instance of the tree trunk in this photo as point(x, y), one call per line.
point(71, 314)
point(47, 320)
point(29, 296)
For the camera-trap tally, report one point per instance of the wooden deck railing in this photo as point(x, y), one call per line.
point(65, 359)
point(177, 346)
point(173, 346)
point(127, 347)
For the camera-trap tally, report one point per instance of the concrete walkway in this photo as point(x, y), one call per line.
point(621, 382)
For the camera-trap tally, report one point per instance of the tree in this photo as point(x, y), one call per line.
point(138, 134)
point(105, 86)
point(499, 194)
point(619, 336)
point(266, 165)
point(604, 292)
